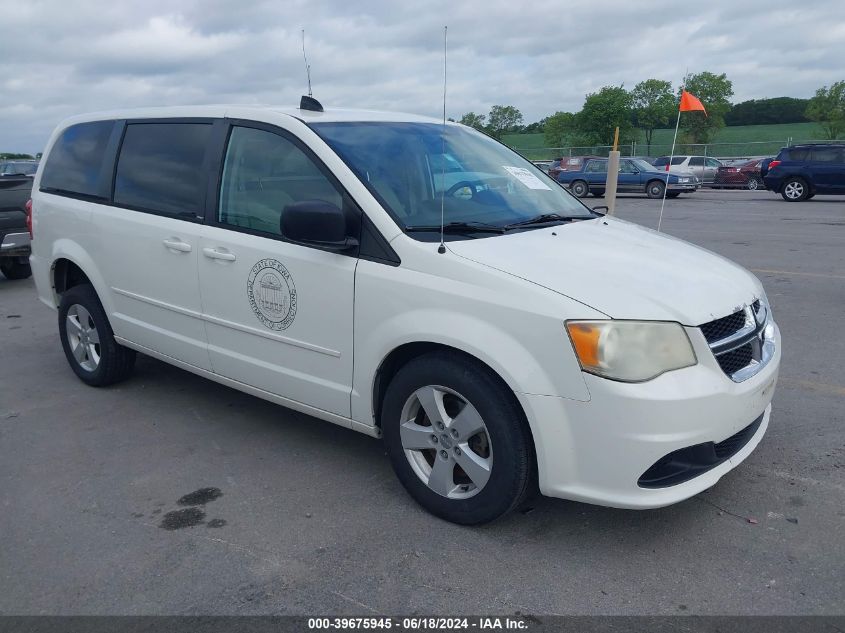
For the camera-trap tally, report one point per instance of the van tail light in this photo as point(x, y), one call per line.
point(667, 166)
point(28, 208)
point(774, 164)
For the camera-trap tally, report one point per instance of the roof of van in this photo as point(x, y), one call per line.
point(330, 115)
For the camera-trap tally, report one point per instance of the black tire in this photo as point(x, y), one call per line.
point(794, 189)
point(655, 188)
point(15, 269)
point(754, 184)
point(597, 194)
point(511, 447)
point(673, 194)
point(579, 188)
point(115, 361)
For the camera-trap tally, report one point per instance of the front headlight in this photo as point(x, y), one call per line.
point(630, 351)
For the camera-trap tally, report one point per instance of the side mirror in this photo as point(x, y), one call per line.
point(596, 209)
point(316, 223)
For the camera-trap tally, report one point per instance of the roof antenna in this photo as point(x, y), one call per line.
point(442, 248)
point(307, 67)
point(309, 102)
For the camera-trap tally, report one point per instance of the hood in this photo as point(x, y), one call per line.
point(621, 269)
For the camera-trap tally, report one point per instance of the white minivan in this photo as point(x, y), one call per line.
point(295, 254)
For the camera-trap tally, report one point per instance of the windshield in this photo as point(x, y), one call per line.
point(642, 165)
point(407, 166)
point(27, 169)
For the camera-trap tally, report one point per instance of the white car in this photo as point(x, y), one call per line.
point(295, 254)
point(703, 167)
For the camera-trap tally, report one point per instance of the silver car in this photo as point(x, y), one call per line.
point(704, 167)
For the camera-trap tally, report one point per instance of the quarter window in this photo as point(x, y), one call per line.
point(263, 173)
point(596, 166)
point(696, 161)
point(160, 168)
point(75, 163)
point(826, 155)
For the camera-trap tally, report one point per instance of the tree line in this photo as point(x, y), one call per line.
point(653, 104)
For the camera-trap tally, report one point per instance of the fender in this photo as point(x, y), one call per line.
point(66, 248)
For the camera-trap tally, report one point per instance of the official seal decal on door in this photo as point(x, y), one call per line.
point(272, 294)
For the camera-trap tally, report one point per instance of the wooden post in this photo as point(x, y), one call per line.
point(612, 174)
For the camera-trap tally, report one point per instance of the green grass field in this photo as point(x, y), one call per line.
point(740, 140)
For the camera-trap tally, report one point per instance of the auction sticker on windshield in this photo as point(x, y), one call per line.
point(526, 177)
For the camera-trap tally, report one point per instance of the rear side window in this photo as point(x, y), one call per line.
point(75, 163)
point(797, 154)
point(695, 161)
point(160, 168)
point(596, 166)
point(826, 155)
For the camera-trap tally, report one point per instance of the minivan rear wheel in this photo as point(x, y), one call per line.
point(795, 190)
point(88, 341)
point(457, 439)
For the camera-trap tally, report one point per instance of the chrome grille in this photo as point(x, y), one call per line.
point(742, 342)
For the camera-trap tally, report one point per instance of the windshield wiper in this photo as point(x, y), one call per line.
point(459, 227)
point(545, 218)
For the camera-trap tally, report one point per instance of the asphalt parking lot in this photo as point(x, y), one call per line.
point(312, 520)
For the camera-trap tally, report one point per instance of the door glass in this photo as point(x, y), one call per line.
point(712, 162)
point(160, 168)
point(263, 173)
point(597, 166)
point(696, 161)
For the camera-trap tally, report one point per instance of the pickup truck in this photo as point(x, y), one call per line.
point(15, 189)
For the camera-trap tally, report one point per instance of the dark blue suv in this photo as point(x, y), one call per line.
point(802, 171)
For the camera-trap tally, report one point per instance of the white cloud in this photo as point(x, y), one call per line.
point(59, 58)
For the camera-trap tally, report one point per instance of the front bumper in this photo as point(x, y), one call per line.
point(690, 187)
point(597, 451)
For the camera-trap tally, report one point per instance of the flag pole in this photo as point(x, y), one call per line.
point(671, 156)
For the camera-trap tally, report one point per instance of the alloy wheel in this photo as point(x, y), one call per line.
point(793, 190)
point(83, 337)
point(446, 442)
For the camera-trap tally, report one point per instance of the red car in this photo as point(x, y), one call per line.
point(568, 163)
point(746, 176)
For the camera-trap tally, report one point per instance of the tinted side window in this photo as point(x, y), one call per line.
point(696, 161)
point(75, 163)
point(797, 154)
point(160, 168)
point(826, 155)
point(263, 173)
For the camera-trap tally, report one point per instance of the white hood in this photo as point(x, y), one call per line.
point(621, 269)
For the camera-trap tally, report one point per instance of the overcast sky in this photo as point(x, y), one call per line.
point(64, 57)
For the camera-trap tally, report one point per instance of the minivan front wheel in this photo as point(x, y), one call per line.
point(88, 341)
point(795, 190)
point(457, 439)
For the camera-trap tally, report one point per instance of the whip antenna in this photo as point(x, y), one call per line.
point(307, 67)
point(442, 248)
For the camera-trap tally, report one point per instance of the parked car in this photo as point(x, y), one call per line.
point(800, 172)
point(569, 163)
point(15, 188)
point(304, 256)
point(746, 175)
point(703, 167)
point(635, 176)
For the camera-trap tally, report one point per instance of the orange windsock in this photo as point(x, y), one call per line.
point(690, 102)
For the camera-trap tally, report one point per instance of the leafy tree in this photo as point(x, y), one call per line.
point(12, 156)
point(828, 109)
point(715, 92)
point(473, 120)
point(537, 126)
point(503, 119)
point(768, 111)
point(559, 128)
point(653, 106)
point(603, 111)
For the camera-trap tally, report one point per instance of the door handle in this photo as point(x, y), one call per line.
point(175, 244)
point(213, 253)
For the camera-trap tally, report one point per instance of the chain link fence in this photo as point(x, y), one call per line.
point(724, 151)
